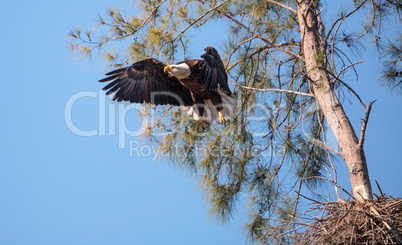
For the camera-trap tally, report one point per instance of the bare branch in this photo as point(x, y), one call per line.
point(333, 45)
point(325, 146)
point(345, 68)
point(347, 86)
point(281, 5)
point(335, 179)
point(320, 177)
point(274, 89)
point(364, 124)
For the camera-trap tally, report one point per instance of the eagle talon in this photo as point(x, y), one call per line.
point(222, 119)
point(202, 123)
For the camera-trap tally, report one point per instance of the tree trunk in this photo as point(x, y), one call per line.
point(351, 151)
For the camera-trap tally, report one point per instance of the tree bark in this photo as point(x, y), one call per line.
point(351, 151)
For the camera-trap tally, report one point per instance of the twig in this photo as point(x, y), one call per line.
point(333, 44)
point(347, 86)
point(378, 186)
point(386, 224)
point(249, 56)
point(315, 201)
point(274, 89)
point(392, 204)
point(325, 146)
point(99, 44)
point(320, 177)
point(236, 48)
point(281, 5)
point(328, 153)
point(364, 124)
point(336, 78)
point(344, 17)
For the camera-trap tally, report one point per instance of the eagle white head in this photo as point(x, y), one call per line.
point(180, 71)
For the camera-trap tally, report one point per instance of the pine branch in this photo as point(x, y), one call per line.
point(93, 45)
point(344, 17)
point(198, 19)
point(235, 49)
point(249, 56)
point(277, 46)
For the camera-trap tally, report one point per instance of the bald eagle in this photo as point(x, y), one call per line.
point(201, 85)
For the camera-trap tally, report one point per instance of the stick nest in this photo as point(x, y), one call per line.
point(377, 221)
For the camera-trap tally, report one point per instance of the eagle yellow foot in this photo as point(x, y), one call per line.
point(202, 123)
point(222, 119)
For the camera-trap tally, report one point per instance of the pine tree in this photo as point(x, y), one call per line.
point(287, 63)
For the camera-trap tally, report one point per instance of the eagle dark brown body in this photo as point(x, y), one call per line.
point(198, 94)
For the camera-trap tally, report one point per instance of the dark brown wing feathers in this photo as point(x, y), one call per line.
point(145, 82)
point(212, 71)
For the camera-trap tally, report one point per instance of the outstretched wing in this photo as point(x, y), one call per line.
point(212, 71)
point(146, 82)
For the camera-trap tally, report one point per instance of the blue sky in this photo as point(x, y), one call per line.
point(60, 188)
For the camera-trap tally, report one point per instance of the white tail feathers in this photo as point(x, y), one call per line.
point(210, 111)
point(228, 104)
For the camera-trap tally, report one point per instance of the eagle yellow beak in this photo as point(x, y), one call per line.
point(167, 68)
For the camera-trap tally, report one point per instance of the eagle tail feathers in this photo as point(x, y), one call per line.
point(228, 104)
